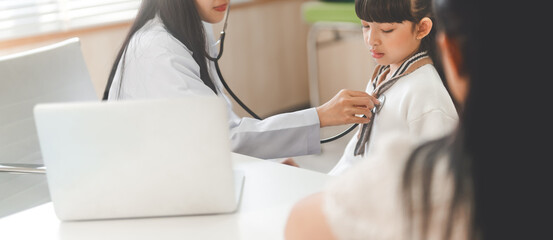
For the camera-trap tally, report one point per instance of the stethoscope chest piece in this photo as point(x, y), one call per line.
point(381, 99)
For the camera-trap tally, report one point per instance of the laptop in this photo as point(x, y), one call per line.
point(139, 158)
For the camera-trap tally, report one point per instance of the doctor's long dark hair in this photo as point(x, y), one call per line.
point(182, 20)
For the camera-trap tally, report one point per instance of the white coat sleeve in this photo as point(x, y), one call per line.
point(279, 136)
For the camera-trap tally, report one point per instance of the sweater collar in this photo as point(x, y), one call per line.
point(408, 66)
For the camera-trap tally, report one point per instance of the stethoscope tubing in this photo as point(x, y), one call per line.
point(231, 93)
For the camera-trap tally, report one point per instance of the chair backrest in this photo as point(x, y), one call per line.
point(55, 73)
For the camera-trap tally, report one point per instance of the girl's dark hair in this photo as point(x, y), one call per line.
point(182, 20)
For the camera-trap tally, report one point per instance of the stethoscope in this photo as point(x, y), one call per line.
point(215, 60)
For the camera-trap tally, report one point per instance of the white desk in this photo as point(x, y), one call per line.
point(270, 191)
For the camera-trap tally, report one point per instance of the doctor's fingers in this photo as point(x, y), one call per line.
point(368, 102)
point(357, 97)
point(355, 115)
point(360, 94)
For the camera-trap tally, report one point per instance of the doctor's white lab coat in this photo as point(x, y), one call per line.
point(157, 65)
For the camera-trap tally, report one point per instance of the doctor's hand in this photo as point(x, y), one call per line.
point(346, 108)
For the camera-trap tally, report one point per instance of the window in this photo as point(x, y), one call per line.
point(24, 18)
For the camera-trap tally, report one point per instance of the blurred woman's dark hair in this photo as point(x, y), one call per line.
point(497, 138)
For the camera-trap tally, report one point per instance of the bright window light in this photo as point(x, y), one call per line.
point(26, 18)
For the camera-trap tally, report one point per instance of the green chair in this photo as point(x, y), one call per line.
point(337, 16)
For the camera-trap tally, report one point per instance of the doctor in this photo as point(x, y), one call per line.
point(164, 56)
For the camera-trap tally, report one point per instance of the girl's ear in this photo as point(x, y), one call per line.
point(424, 27)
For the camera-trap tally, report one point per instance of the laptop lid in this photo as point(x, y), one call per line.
point(141, 158)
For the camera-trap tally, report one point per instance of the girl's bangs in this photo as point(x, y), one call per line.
point(384, 11)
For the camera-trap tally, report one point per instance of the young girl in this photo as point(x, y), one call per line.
point(165, 56)
point(400, 37)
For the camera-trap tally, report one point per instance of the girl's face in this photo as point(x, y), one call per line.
point(212, 11)
point(391, 43)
